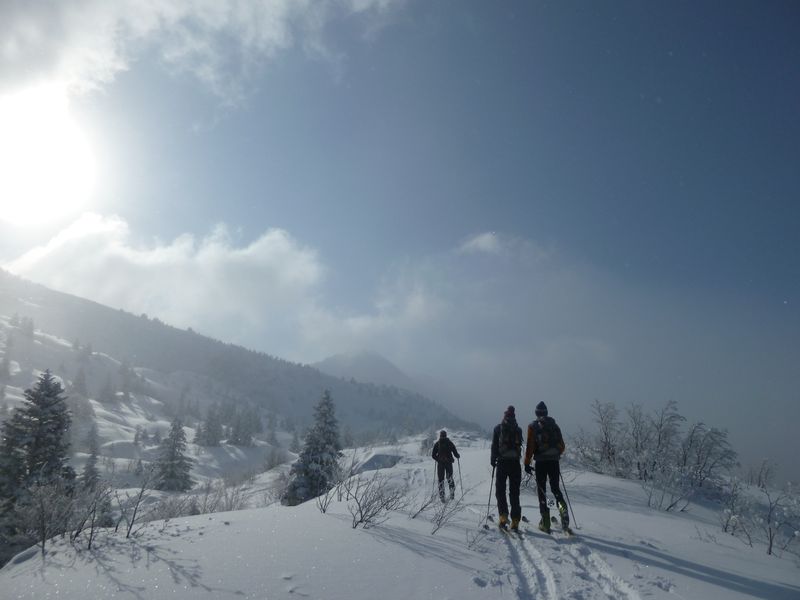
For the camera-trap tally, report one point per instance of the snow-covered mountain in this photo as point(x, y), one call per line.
point(181, 366)
point(369, 367)
point(622, 550)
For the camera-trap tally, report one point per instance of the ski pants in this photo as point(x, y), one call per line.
point(511, 470)
point(443, 468)
point(548, 469)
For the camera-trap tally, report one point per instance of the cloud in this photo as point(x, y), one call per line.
point(85, 44)
point(517, 329)
point(262, 288)
point(482, 242)
point(266, 294)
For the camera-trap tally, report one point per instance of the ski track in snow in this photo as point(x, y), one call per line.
point(562, 568)
point(597, 568)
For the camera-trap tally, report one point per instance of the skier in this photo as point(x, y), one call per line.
point(506, 452)
point(546, 445)
point(443, 452)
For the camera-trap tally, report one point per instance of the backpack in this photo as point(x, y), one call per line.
point(548, 435)
point(510, 440)
point(444, 450)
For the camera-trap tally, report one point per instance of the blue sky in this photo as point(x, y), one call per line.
point(524, 200)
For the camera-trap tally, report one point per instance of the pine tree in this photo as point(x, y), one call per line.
point(316, 469)
point(5, 366)
point(294, 445)
point(210, 432)
point(44, 421)
point(173, 468)
point(245, 425)
point(91, 475)
point(12, 459)
point(79, 383)
point(33, 451)
point(108, 394)
point(126, 375)
point(240, 431)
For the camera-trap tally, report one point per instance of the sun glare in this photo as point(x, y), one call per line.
point(47, 170)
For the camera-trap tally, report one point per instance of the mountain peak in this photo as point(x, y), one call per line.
point(366, 366)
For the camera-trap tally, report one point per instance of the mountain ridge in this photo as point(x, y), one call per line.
point(275, 384)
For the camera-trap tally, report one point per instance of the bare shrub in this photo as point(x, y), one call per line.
point(91, 512)
point(371, 499)
point(170, 507)
point(44, 511)
point(209, 498)
point(425, 504)
point(130, 505)
point(233, 497)
point(447, 510)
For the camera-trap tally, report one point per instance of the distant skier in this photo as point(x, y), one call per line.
point(443, 452)
point(506, 453)
point(546, 445)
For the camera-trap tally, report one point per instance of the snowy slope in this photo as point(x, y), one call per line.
point(623, 550)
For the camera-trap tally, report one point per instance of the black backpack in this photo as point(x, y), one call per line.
point(548, 434)
point(510, 440)
point(444, 450)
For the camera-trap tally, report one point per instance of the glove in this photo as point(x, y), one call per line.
point(458, 455)
point(493, 462)
point(529, 469)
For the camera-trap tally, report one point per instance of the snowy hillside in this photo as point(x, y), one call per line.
point(147, 405)
point(622, 550)
point(182, 363)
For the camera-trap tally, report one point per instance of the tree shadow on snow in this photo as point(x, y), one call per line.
point(124, 564)
point(424, 545)
point(712, 575)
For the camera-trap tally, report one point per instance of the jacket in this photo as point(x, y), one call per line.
point(444, 450)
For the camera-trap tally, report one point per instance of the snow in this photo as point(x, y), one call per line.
point(623, 550)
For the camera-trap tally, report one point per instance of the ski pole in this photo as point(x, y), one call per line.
point(566, 495)
point(461, 481)
point(433, 490)
point(489, 503)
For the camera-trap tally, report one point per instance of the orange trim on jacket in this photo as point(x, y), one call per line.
point(532, 448)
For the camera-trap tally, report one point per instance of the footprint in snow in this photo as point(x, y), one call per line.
point(479, 581)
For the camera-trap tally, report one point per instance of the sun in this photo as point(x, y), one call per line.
point(47, 168)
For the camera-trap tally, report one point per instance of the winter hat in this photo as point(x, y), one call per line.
point(509, 414)
point(541, 409)
point(442, 433)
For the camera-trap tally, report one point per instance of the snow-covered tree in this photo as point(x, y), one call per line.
point(33, 458)
point(90, 475)
point(316, 469)
point(210, 432)
point(294, 445)
point(79, 383)
point(12, 459)
point(5, 367)
point(173, 468)
point(36, 437)
point(107, 394)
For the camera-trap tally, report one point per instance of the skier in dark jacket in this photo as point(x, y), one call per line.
point(443, 452)
point(506, 453)
point(546, 445)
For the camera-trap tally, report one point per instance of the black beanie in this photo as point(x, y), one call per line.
point(442, 433)
point(541, 409)
point(509, 414)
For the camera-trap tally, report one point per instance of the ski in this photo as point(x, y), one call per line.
point(566, 529)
